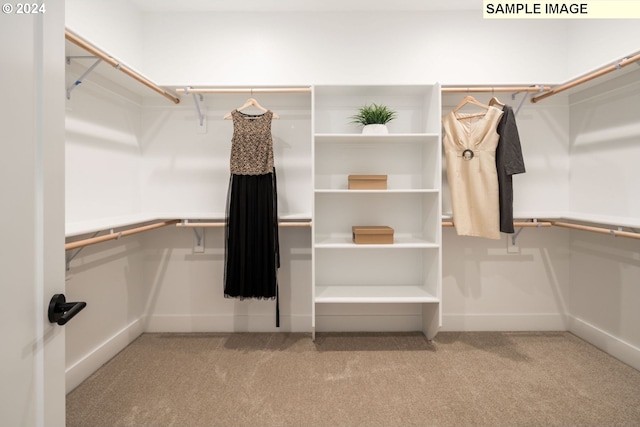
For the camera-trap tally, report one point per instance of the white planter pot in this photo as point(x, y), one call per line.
point(375, 129)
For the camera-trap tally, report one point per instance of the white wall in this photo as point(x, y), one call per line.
point(486, 288)
point(112, 25)
point(604, 293)
point(103, 162)
point(292, 48)
point(593, 43)
point(604, 182)
point(110, 278)
point(214, 47)
point(221, 47)
point(185, 169)
point(605, 144)
point(103, 155)
point(186, 288)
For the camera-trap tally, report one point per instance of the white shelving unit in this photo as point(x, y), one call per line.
point(409, 270)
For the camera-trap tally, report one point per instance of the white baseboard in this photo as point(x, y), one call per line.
point(503, 322)
point(227, 323)
point(266, 323)
point(368, 323)
point(608, 343)
point(83, 368)
point(352, 323)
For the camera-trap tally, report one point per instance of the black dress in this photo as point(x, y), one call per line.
point(252, 253)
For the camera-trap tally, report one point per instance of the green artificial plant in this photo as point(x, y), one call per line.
point(373, 114)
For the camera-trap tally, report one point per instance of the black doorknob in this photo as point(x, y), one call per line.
point(61, 311)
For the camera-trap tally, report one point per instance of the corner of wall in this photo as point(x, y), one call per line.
point(89, 363)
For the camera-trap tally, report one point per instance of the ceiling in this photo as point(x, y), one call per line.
point(304, 5)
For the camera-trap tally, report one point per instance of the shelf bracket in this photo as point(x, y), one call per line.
point(71, 256)
point(198, 246)
point(198, 236)
point(515, 236)
point(85, 74)
point(201, 116)
point(524, 97)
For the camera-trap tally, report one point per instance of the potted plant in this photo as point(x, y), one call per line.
point(374, 118)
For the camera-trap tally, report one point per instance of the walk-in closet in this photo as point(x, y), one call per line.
point(119, 118)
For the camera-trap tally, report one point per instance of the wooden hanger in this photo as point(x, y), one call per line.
point(495, 101)
point(250, 102)
point(470, 100)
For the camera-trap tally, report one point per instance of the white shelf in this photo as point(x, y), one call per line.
point(388, 191)
point(78, 228)
point(373, 294)
point(418, 138)
point(613, 221)
point(400, 242)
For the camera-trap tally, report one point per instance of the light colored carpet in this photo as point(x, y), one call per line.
point(399, 379)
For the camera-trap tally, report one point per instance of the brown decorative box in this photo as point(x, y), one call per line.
point(367, 182)
point(372, 234)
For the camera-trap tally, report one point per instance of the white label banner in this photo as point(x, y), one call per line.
point(586, 9)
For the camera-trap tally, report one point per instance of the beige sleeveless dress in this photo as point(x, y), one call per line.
point(470, 152)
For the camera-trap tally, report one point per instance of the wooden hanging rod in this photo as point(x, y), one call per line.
point(465, 89)
point(222, 224)
point(600, 230)
point(588, 77)
point(112, 236)
point(73, 38)
point(179, 223)
point(452, 89)
point(204, 90)
point(515, 224)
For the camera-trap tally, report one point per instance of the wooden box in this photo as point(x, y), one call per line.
point(372, 234)
point(367, 182)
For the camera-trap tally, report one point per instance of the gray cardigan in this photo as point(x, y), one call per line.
point(509, 162)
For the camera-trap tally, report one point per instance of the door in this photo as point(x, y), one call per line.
point(32, 365)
